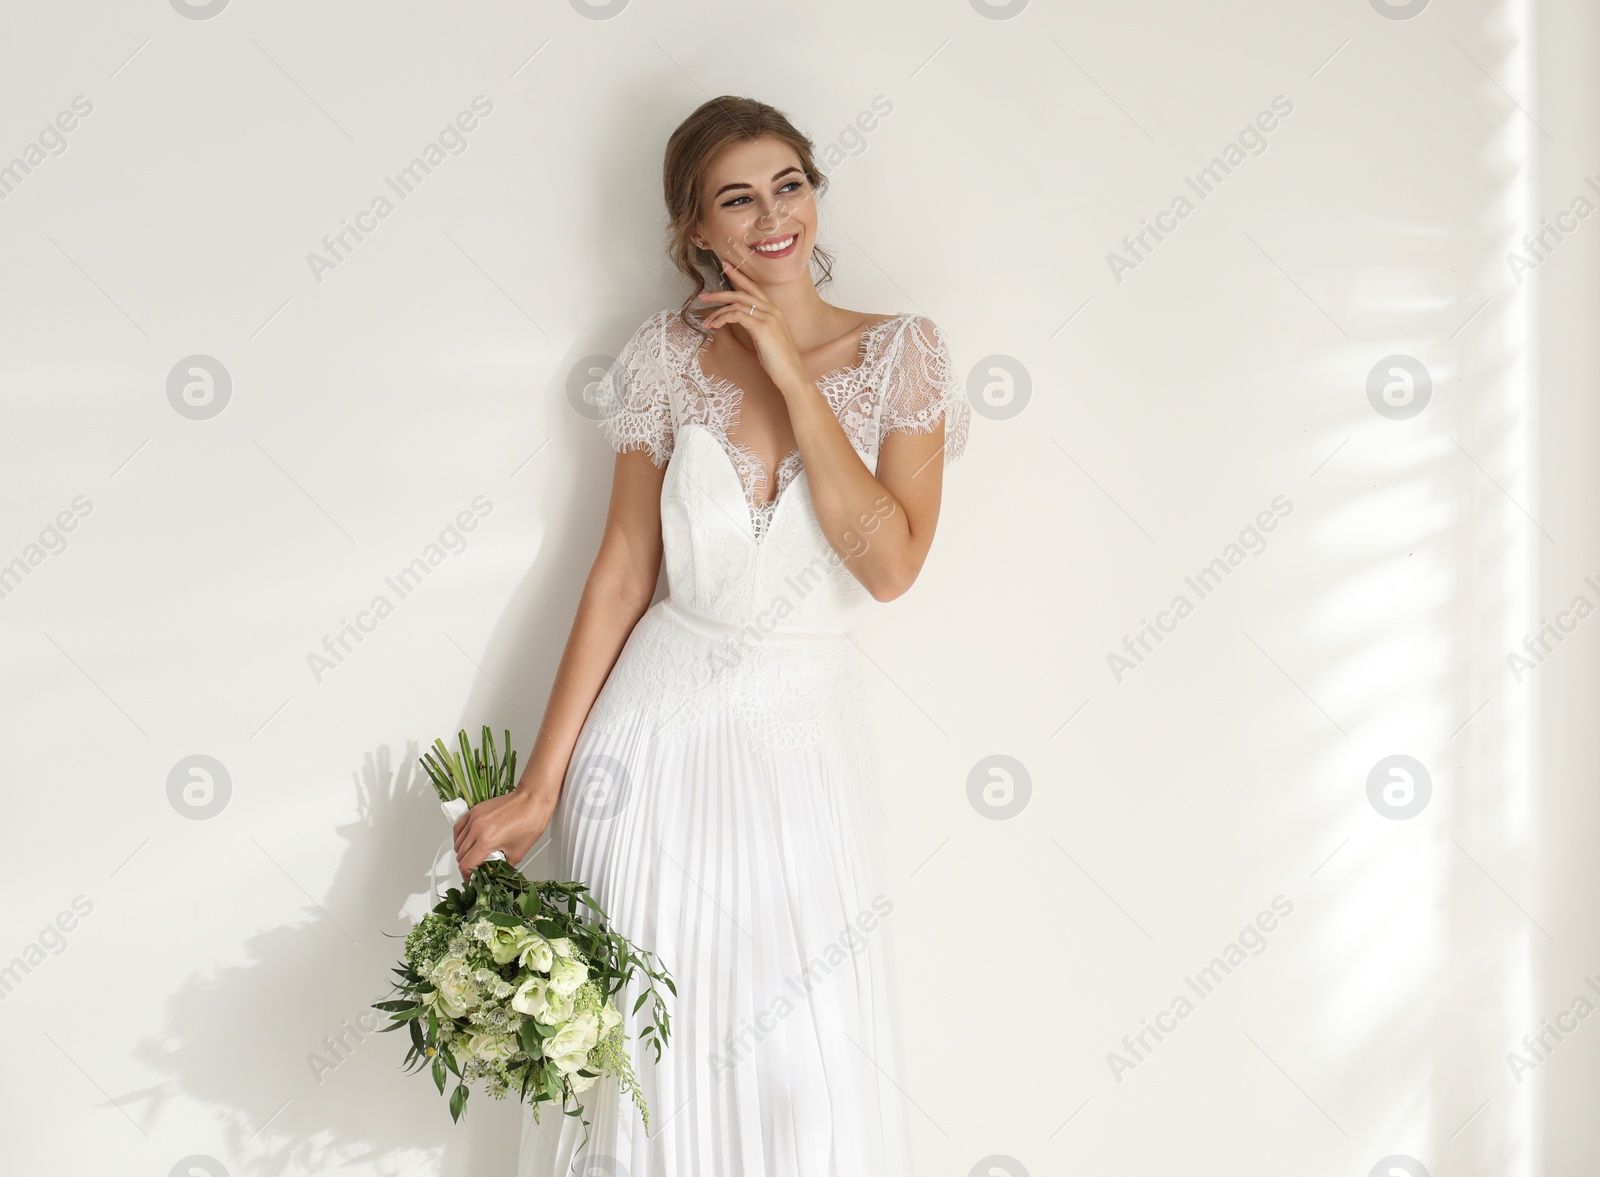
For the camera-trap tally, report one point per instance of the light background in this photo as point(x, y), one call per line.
point(1163, 811)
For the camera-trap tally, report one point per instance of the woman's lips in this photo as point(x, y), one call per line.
point(794, 240)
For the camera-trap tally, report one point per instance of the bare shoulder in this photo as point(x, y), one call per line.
point(865, 320)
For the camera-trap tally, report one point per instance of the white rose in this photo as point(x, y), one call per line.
point(581, 1082)
point(532, 997)
point(560, 1008)
point(506, 943)
point(491, 1048)
point(453, 982)
point(610, 1019)
point(590, 1025)
point(536, 954)
point(565, 1048)
point(566, 975)
point(563, 947)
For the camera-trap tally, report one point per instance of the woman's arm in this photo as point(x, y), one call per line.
point(882, 526)
point(621, 582)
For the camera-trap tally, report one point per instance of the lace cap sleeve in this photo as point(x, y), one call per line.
point(633, 396)
point(922, 390)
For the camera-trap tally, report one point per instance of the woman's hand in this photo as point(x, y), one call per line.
point(512, 823)
point(748, 306)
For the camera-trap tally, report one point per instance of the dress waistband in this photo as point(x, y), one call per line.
point(751, 632)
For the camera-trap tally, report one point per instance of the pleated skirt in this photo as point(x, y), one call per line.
point(750, 873)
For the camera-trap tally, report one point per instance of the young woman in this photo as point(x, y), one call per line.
point(704, 764)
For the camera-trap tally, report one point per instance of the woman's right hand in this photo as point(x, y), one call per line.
point(511, 823)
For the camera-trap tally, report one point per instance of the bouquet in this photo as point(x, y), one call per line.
point(507, 982)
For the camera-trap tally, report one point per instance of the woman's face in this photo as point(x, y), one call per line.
point(760, 213)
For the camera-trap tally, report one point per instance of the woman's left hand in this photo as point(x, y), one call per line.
point(748, 306)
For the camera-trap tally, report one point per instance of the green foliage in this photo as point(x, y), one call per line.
point(448, 1040)
point(474, 774)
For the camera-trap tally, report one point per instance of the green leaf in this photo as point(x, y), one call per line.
point(530, 1037)
point(438, 1071)
point(458, 1100)
point(395, 1005)
point(416, 1036)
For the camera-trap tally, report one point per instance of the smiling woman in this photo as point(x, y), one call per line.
point(705, 765)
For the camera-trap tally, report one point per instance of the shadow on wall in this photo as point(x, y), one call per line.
point(285, 1048)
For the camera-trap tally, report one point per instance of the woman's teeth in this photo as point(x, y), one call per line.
point(777, 246)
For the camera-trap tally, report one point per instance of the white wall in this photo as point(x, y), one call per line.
point(1168, 805)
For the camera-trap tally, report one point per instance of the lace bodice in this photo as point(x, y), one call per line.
point(901, 380)
point(733, 558)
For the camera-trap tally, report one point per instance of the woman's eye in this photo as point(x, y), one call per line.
point(789, 185)
point(734, 201)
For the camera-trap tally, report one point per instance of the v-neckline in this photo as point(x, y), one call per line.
point(721, 384)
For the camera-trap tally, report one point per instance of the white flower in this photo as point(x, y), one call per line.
point(581, 1082)
point(590, 1025)
point(536, 954)
point(505, 943)
point(567, 974)
point(609, 1018)
point(453, 982)
point(491, 1048)
point(563, 947)
point(566, 1048)
point(540, 1002)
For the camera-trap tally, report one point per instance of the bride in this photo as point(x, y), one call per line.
point(704, 764)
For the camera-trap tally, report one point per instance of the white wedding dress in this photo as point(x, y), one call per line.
point(722, 794)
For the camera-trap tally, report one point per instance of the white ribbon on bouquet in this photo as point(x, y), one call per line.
point(454, 810)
